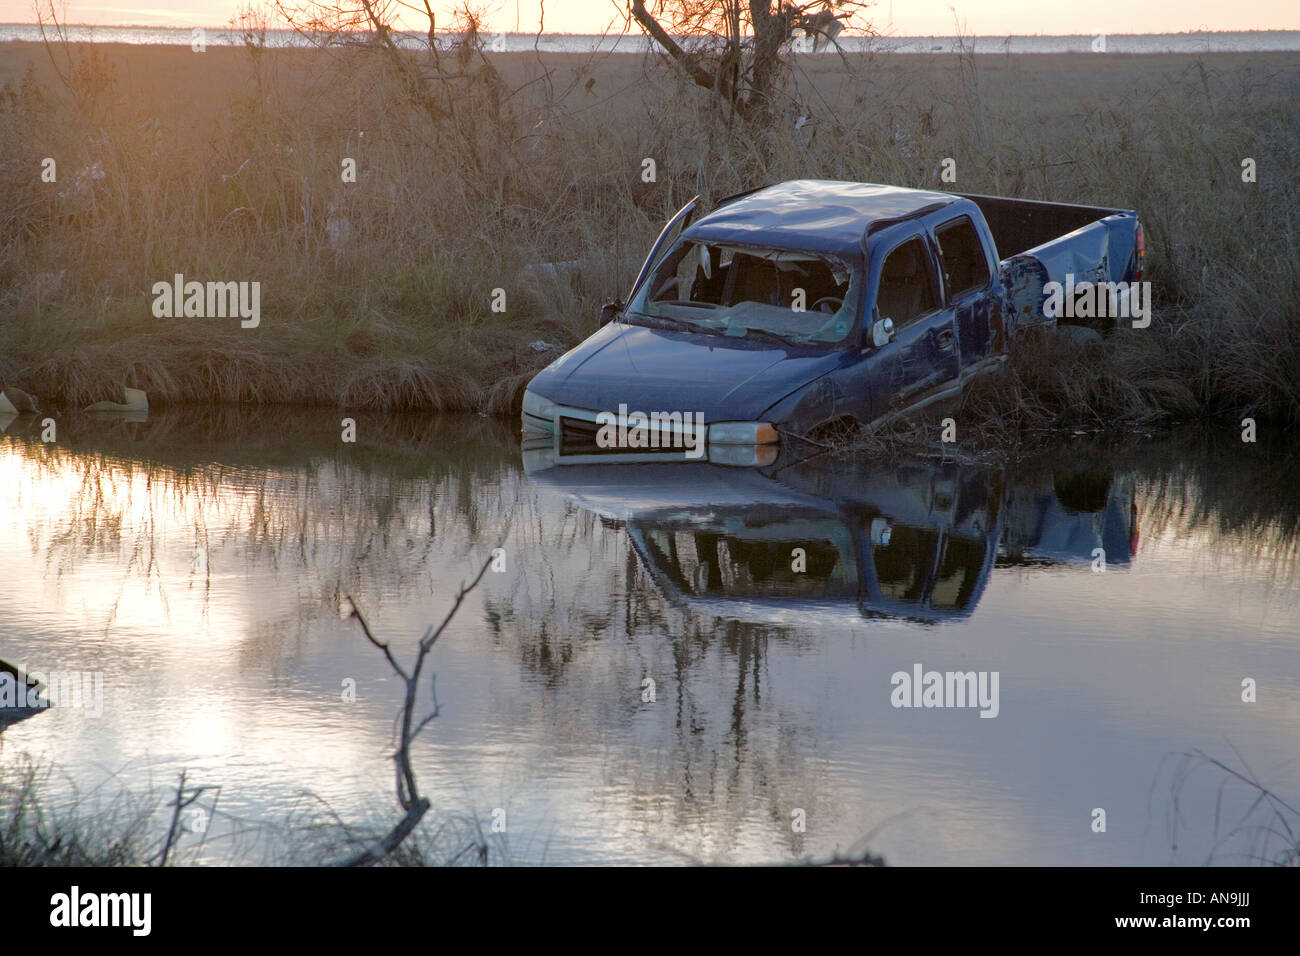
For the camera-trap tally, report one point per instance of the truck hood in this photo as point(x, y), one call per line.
point(662, 370)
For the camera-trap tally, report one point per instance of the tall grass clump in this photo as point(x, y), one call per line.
point(31, 834)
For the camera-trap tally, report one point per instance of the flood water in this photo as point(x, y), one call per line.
point(650, 678)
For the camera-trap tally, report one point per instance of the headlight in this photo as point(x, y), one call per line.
point(742, 433)
point(537, 407)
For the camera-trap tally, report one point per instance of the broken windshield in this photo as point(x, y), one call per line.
point(799, 297)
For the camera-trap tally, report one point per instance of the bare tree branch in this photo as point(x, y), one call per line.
point(409, 797)
point(670, 46)
point(737, 49)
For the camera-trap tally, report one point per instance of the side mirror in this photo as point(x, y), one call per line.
point(882, 332)
point(609, 312)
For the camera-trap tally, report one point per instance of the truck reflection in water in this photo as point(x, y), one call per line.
point(841, 539)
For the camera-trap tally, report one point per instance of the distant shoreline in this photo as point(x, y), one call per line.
point(1234, 41)
point(555, 33)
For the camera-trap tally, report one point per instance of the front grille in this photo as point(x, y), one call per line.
point(578, 437)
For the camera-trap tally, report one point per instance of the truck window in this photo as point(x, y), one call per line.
point(906, 284)
point(804, 297)
point(964, 265)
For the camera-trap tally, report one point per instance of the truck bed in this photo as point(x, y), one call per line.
point(1019, 225)
point(1042, 242)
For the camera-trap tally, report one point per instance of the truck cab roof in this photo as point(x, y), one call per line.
point(818, 215)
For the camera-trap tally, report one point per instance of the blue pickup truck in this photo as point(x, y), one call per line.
point(813, 305)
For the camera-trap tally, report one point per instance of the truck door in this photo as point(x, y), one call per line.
point(967, 274)
point(923, 363)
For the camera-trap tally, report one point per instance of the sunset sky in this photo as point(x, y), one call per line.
point(909, 17)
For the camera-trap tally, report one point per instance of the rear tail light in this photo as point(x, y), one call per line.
point(1140, 253)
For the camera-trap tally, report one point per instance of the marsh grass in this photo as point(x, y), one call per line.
point(1265, 833)
point(129, 827)
point(377, 294)
point(33, 834)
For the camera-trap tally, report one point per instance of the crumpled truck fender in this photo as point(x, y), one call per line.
point(807, 407)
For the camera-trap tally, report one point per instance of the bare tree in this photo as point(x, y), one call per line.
point(737, 48)
point(447, 76)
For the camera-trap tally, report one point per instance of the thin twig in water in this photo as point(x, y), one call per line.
point(409, 797)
